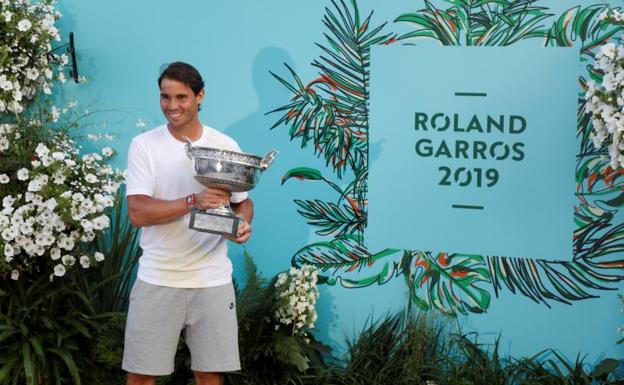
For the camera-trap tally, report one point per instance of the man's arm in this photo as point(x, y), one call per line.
point(244, 210)
point(144, 210)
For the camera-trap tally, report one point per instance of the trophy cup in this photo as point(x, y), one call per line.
point(226, 170)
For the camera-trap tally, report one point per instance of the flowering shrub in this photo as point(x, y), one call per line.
point(26, 60)
point(605, 101)
point(296, 294)
point(52, 204)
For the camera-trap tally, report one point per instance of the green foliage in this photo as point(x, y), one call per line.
point(479, 365)
point(70, 330)
point(394, 350)
point(44, 326)
point(424, 349)
point(478, 23)
point(552, 368)
point(268, 356)
point(450, 281)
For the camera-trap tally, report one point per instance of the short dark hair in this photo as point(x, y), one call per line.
point(184, 73)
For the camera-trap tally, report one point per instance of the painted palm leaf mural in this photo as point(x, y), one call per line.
point(330, 115)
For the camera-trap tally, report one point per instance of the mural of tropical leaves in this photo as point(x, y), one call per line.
point(478, 23)
point(330, 114)
point(347, 255)
point(451, 282)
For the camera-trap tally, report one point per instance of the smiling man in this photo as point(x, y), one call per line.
point(184, 281)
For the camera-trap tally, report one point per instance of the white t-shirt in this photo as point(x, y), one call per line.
point(173, 254)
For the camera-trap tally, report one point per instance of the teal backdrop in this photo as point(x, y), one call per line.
point(480, 162)
point(294, 76)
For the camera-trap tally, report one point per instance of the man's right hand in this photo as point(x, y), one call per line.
point(212, 198)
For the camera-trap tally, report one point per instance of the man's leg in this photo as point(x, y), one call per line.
point(208, 378)
point(141, 379)
point(212, 332)
point(155, 319)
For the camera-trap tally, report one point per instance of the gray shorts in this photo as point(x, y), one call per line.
point(158, 314)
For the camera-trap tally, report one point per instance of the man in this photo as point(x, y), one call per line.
point(184, 281)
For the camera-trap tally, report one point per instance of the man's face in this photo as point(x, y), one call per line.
point(178, 102)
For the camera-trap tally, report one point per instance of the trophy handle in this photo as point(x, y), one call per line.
point(188, 147)
point(268, 159)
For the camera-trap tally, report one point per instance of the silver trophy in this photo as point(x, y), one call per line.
point(226, 170)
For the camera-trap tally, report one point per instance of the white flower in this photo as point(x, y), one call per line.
point(86, 225)
point(85, 261)
point(35, 185)
point(51, 204)
point(15, 275)
point(9, 252)
point(4, 179)
point(140, 123)
point(56, 114)
point(4, 143)
point(24, 25)
point(5, 83)
point(98, 256)
point(101, 222)
point(42, 150)
point(55, 253)
point(90, 178)
point(107, 151)
point(59, 270)
point(8, 201)
point(68, 260)
point(32, 73)
point(22, 174)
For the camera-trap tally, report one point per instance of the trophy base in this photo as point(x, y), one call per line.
point(216, 221)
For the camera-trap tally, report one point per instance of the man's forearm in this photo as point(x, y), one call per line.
point(244, 209)
point(146, 211)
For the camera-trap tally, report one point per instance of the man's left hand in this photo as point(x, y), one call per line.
point(243, 233)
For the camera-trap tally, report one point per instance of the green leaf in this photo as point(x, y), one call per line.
point(28, 364)
point(79, 327)
point(302, 173)
point(332, 219)
point(617, 201)
point(69, 363)
point(331, 111)
point(289, 351)
point(605, 367)
point(7, 368)
point(451, 282)
point(348, 262)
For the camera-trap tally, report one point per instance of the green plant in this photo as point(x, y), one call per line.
point(269, 355)
point(70, 330)
point(471, 363)
point(397, 349)
point(552, 368)
point(43, 327)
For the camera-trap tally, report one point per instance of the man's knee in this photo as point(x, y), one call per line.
point(208, 378)
point(140, 379)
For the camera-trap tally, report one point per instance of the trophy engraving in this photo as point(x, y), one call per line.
point(227, 170)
